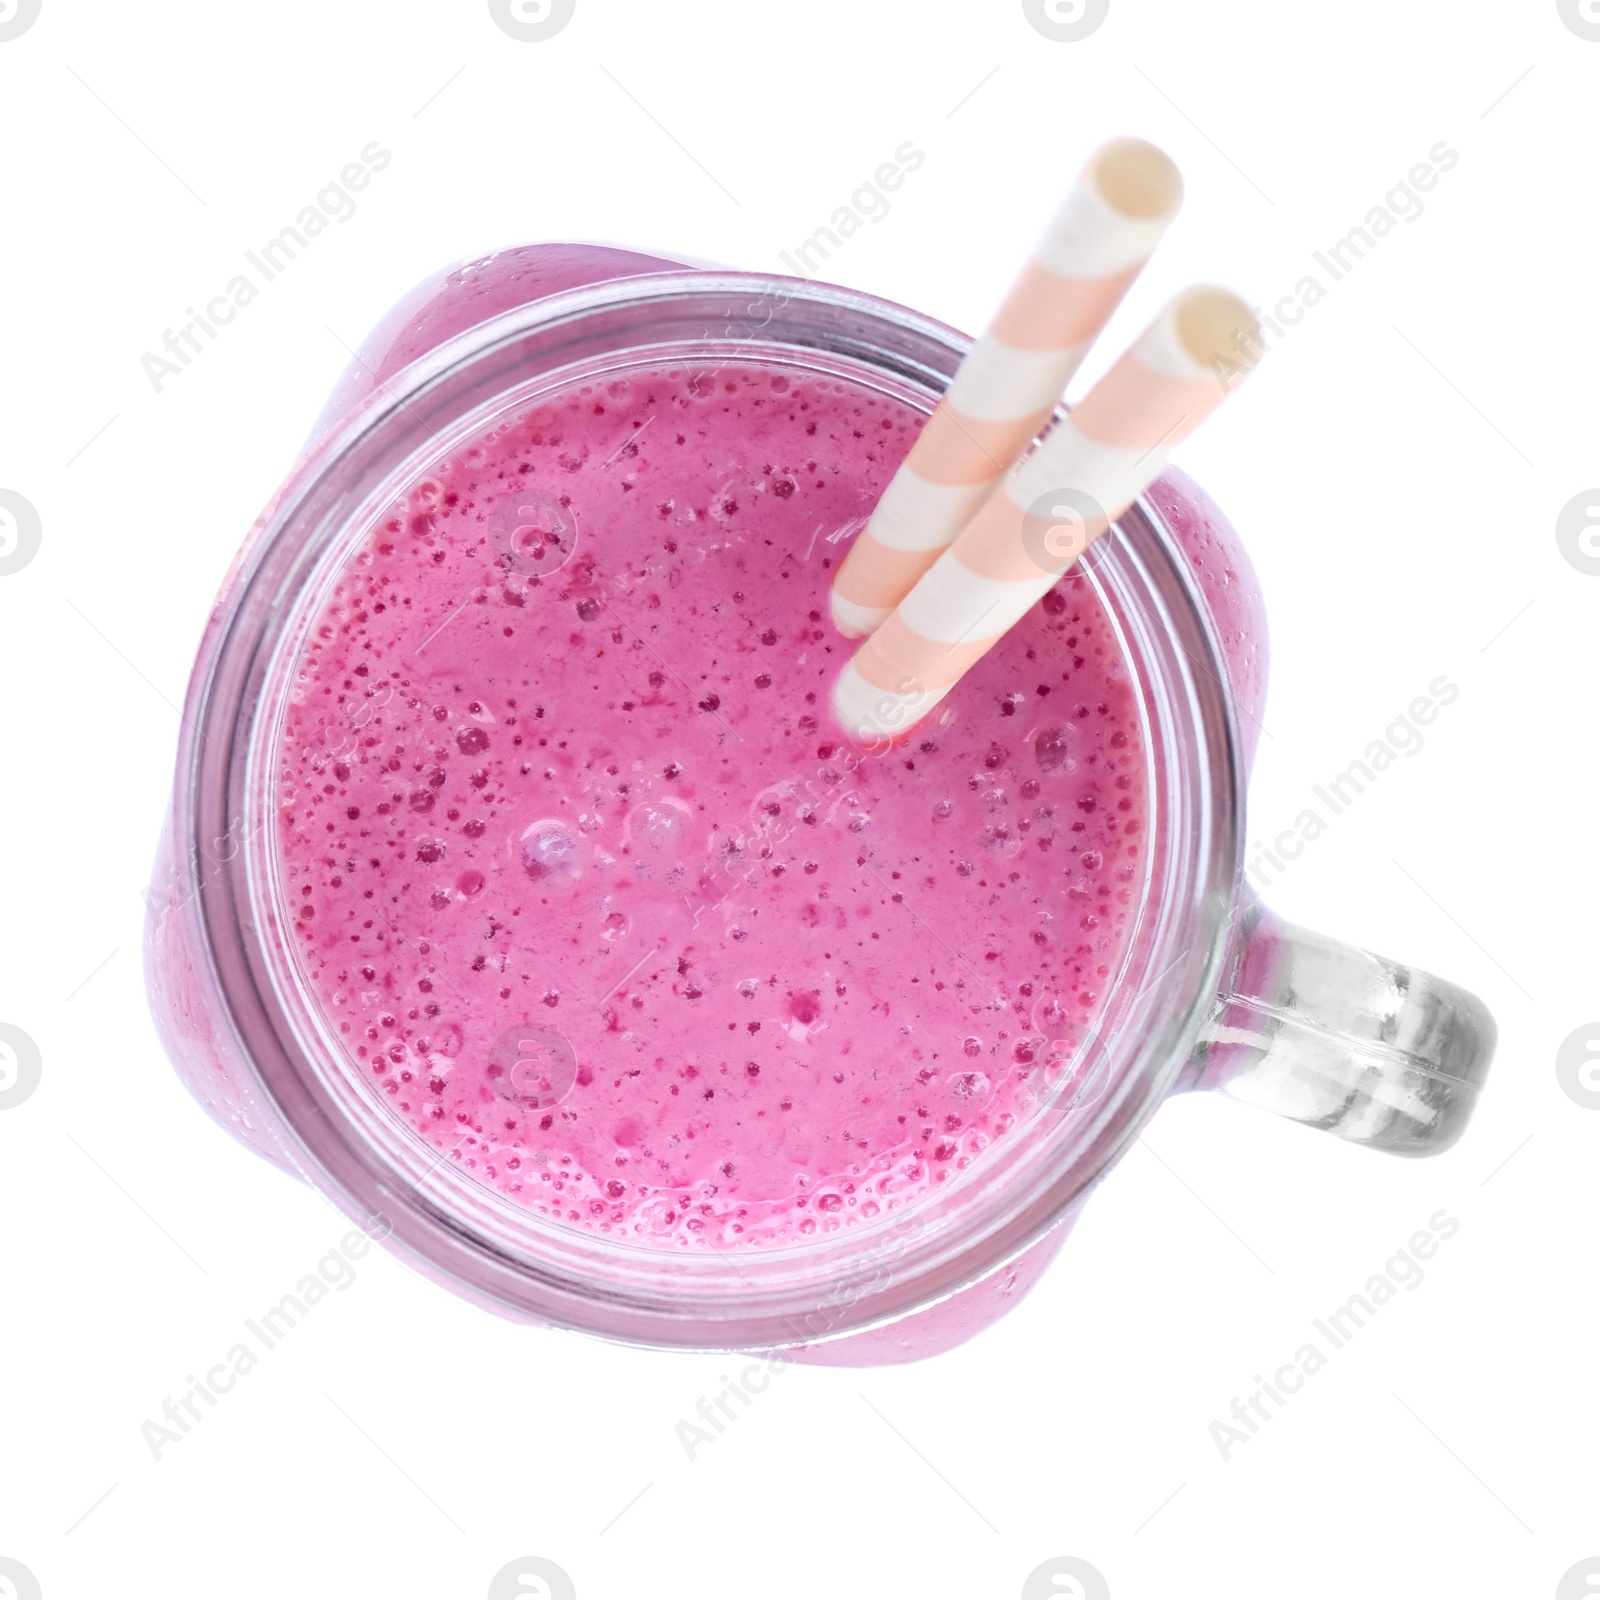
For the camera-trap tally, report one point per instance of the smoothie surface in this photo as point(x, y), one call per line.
point(591, 892)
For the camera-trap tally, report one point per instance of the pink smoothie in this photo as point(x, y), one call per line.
point(593, 895)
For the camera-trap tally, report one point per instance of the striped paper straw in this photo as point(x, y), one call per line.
point(1083, 475)
point(1011, 379)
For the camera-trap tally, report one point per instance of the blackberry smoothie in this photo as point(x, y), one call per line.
point(591, 894)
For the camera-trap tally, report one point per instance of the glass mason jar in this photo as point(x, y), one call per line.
point(1214, 992)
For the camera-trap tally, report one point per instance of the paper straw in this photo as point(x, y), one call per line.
point(1011, 379)
point(1083, 475)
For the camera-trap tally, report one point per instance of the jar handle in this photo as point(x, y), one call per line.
point(1378, 1053)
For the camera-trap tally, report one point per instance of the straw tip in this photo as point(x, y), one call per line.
point(1216, 329)
point(1137, 178)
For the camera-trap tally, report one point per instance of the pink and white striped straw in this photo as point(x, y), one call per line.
point(1011, 379)
point(1084, 473)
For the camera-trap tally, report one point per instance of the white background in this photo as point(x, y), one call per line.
point(1396, 469)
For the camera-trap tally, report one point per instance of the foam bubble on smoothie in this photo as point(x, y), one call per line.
point(550, 850)
point(661, 827)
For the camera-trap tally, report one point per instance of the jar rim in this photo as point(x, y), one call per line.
point(447, 1222)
